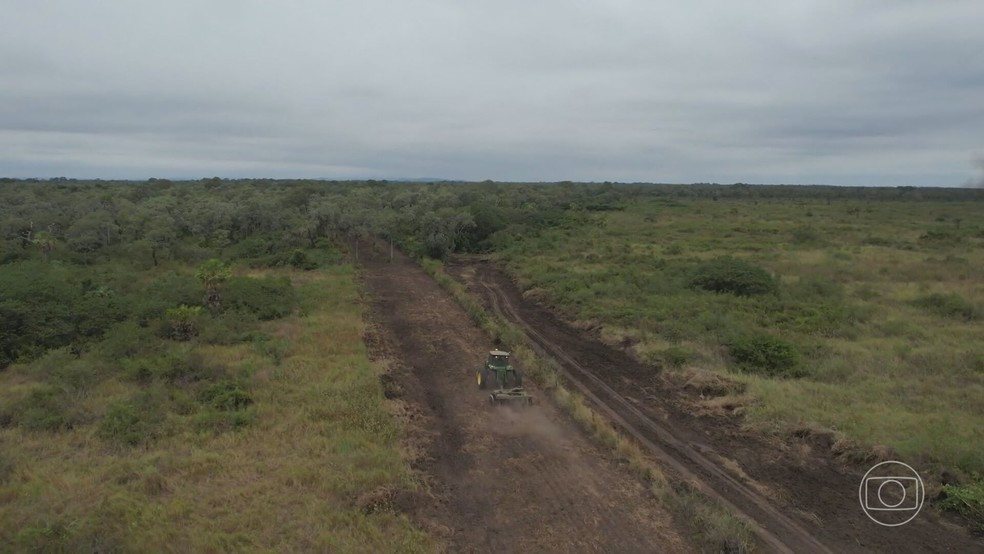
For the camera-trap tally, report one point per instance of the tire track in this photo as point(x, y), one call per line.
point(775, 530)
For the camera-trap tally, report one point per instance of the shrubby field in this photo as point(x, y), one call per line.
point(165, 386)
point(180, 350)
point(862, 317)
point(865, 319)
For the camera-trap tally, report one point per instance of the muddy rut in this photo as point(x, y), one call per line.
point(503, 480)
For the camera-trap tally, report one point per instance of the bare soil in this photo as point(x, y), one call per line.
point(502, 479)
point(800, 494)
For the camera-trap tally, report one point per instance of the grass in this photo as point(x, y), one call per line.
point(714, 528)
point(297, 453)
point(877, 310)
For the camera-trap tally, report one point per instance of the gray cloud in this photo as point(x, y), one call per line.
point(877, 93)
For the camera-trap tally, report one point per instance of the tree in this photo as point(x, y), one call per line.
point(443, 231)
point(45, 242)
point(213, 274)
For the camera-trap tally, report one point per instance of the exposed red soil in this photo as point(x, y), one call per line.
point(503, 480)
point(803, 496)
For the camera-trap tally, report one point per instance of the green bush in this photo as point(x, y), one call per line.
point(766, 355)
point(183, 321)
point(137, 421)
point(221, 421)
point(673, 250)
point(275, 349)
point(950, 305)
point(253, 247)
point(265, 297)
point(300, 260)
point(174, 368)
point(966, 500)
point(675, 356)
point(731, 275)
point(225, 396)
point(168, 291)
point(126, 340)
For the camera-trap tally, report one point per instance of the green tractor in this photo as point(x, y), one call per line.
point(505, 380)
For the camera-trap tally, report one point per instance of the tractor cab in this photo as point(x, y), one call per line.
point(498, 359)
point(505, 380)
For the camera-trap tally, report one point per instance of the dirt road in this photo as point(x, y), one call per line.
point(802, 498)
point(505, 480)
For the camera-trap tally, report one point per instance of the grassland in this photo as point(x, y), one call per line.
point(294, 452)
point(877, 312)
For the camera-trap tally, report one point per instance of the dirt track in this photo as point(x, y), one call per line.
point(802, 498)
point(505, 480)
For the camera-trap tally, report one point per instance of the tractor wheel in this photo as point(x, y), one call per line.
point(482, 377)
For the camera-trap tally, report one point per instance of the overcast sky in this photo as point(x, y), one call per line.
point(865, 92)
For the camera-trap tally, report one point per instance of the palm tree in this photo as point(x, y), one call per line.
point(212, 274)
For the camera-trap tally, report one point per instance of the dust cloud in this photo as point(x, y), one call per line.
point(529, 421)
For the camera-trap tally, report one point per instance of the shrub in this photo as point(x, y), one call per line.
point(168, 291)
point(183, 321)
point(766, 355)
point(300, 260)
point(45, 409)
point(941, 236)
point(876, 241)
point(174, 368)
point(219, 421)
point(675, 356)
point(950, 305)
point(265, 297)
point(806, 235)
point(126, 340)
point(734, 276)
point(275, 349)
point(225, 396)
point(134, 422)
point(966, 500)
point(253, 247)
